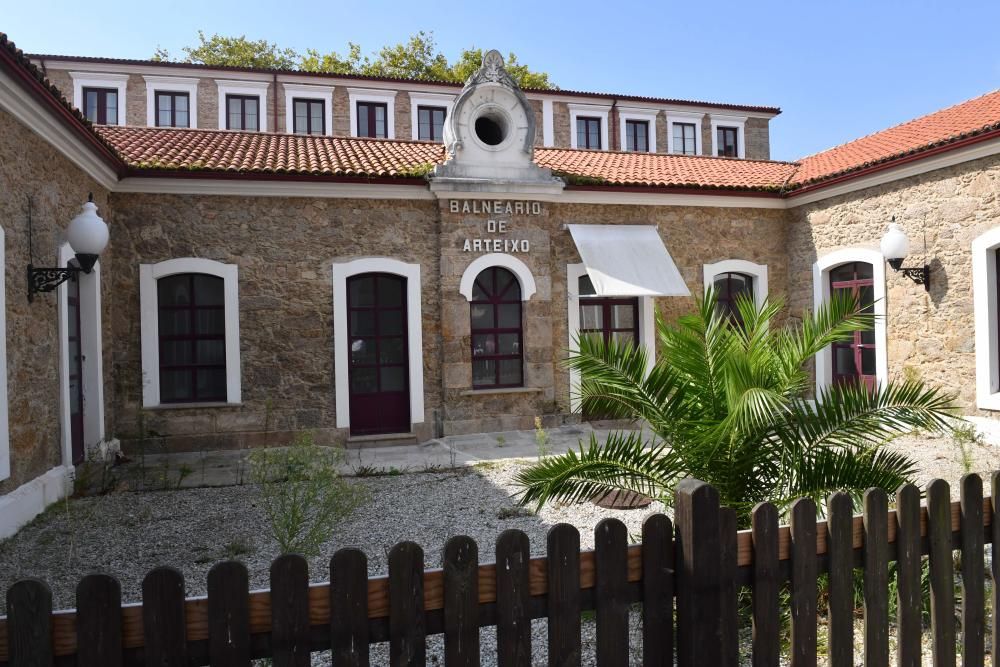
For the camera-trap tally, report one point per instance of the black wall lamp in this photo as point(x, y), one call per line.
point(87, 234)
point(895, 247)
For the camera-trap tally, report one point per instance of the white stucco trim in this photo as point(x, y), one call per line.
point(31, 498)
point(509, 262)
point(426, 100)
point(984, 300)
point(589, 111)
point(387, 97)
point(821, 292)
point(4, 423)
point(647, 327)
point(341, 271)
point(150, 326)
point(758, 271)
point(83, 80)
point(171, 84)
point(548, 124)
point(626, 114)
point(308, 92)
point(674, 117)
point(256, 89)
point(725, 120)
point(92, 365)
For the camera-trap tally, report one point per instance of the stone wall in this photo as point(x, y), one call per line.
point(30, 167)
point(929, 334)
point(284, 248)
point(560, 125)
point(758, 139)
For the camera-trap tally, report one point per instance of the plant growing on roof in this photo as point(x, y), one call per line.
point(725, 403)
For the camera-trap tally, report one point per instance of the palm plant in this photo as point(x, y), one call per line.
point(726, 403)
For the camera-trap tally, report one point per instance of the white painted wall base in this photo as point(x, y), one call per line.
point(31, 498)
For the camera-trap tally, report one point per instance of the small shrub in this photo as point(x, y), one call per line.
point(514, 512)
point(541, 439)
point(965, 436)
point(501, 441)
point(302, 493)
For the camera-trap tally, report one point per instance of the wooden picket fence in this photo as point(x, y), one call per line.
point(687, 580)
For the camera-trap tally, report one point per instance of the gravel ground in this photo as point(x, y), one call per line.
point(127, 534)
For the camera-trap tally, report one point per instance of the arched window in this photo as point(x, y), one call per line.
point(496, 330)
point(729, 287)
point(855, 360)
point(192, 337)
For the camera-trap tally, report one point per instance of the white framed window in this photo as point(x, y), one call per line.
point(431, 101)
point(225, 387)
point(722, 126)
point(241, 90)
point(298, 91)
point(757, 273)
point(580, 111)
point(171, 84)
point(986, 305)
point(647, 116)
point(99, 81)
point(646, 326)
point(374, 97)
point(821, 294)
point(684, 132)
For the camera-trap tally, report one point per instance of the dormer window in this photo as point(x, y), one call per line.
point(727, 141)
point(430, 123)
point(588, 132)
point(243, 112)
point(100, 105)
point(684, 139)
point(728, 136)
point(173, 109)
point(308, 116)
point(637, 136)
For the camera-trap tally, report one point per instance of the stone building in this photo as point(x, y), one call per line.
point(371, 290)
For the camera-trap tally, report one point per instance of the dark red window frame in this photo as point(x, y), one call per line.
point(101, 110)
point(607, 305)
point(725, 300)
point(683, 147)
point(588, 123)
point(486, 294)
point(371, 128)
point(173, 108)
point(860, 279)
point(431, 113)
point(242, 99)
point(309, 104)
point(728, 139)
point(191, 310)
point(632, 136)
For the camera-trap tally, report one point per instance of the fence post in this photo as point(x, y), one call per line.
point(973, 573)
point(804, 573)
point(657, 591)
point(349, 608)
point(908, 567)
point(229, 615)
point(766, 577)
point(564, 598)
point(99, 621)
point(941, 573)
point(699, 627)
point(840, 555)
point(290, 611)
point(407, 624)
point(461, 602)
point(513, 599)
point(164, 627)
point(611, 592)
point(876, 588)
point(29, 624)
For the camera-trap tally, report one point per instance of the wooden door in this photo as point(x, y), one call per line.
point(378, 354)
point(854, 360)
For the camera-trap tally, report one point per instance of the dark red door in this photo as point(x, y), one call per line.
point(855, 359)
point(75, 370)
point(378, 354)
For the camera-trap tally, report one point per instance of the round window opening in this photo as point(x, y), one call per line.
point(491, 128)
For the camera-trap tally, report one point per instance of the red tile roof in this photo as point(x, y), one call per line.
point(967, 119)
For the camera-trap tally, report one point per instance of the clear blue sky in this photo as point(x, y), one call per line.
point(838, 69)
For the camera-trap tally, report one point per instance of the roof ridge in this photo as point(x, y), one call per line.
point(600, 151)
point(258, 133)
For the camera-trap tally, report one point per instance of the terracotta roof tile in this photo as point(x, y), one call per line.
point(955, 123)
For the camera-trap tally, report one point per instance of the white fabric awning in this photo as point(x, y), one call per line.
point(627, 260)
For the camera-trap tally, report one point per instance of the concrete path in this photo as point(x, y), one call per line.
point(227, 468)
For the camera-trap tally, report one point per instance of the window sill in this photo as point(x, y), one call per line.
point(504, 390)
point(191, 406)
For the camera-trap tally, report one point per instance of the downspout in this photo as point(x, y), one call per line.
point(274, 102)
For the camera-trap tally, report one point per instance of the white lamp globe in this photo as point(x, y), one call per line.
point(87, 235)
point(895, 245)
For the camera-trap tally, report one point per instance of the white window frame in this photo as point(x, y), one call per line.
point(386, 97)
point(647, 327)
point(414, 330)
point(548, 124)
point(304, 91)
point(4, 421)
point(821, 294)
point(675, 117)
point(92, 365)
point(757, 271)
point(648, 116)
point(588, 111)
point(171, 84)
point(723, 120)
point(150, 325)
point(256, 89)
point(984, 300)
point(509, 262)
point(418, 100)
point(83, 80)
